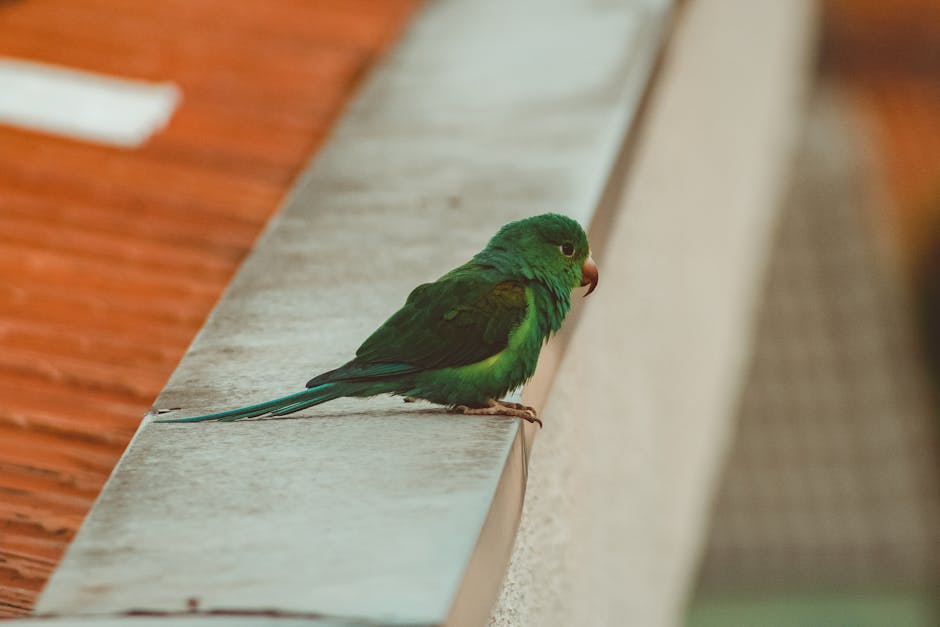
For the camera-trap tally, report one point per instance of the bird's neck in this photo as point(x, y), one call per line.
point(552, 298)
point(552, 302)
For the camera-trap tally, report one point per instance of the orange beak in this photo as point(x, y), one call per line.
point(589, 275)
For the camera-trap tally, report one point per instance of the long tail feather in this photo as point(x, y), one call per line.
point(328, 395)
point(277, 407)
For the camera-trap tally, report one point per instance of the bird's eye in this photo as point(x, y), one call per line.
point(567, 249)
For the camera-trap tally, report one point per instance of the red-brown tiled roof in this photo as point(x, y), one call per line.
point(110, 259)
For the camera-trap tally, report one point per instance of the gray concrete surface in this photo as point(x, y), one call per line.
point(191, 620)
point(369, 509)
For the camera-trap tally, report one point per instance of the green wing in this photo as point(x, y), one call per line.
point(460, 319)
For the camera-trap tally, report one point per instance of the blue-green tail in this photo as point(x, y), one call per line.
point(277, 407)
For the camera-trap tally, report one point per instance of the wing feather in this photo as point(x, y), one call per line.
point(460, 319)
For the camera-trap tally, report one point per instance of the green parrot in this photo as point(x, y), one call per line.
point(468, 338)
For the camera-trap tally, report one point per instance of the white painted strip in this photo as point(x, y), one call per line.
point(83, 105)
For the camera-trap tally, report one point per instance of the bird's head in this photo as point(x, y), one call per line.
point(549, 247)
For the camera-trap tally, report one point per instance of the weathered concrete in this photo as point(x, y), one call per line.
point(192, 620)
point(486, 112)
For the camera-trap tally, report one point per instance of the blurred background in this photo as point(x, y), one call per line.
point(829, 507)
point(110, 258)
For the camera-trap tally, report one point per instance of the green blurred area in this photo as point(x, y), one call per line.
point(860, 608)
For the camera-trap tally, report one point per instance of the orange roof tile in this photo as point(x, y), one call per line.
point(110, 259)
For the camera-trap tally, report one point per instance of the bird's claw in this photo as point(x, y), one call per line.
point(502, 408)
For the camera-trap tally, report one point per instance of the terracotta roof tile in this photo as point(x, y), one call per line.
point(110, 259)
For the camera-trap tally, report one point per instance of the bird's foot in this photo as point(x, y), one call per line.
point(512, 405)
point(502, 408)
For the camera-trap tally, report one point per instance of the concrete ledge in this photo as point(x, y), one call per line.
point(367, 511)
point(642, 404)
